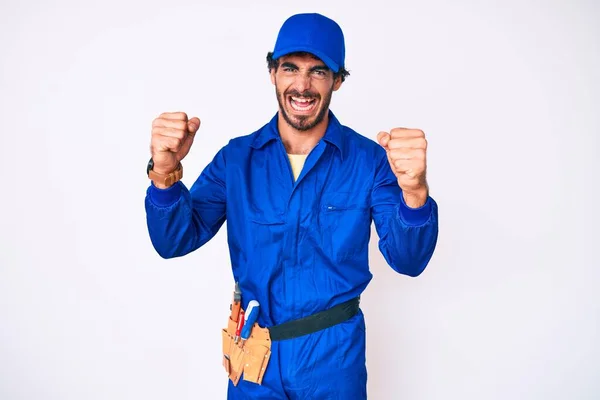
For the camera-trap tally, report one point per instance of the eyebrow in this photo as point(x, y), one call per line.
point(288, 64)
point(319, 68)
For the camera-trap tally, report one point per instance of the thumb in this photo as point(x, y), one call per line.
point(193, 125)
point(383, 138)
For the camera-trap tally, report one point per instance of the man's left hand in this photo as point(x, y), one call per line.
point(407, 154)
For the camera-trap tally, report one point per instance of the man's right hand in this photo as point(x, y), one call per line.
point(172, 137)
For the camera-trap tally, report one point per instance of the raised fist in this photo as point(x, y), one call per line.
point(172, 137)
point(407, 154)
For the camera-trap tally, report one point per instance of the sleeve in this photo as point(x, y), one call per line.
point(180, 220)
point(407, 236)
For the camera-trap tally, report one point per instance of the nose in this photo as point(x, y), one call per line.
point(302, 82)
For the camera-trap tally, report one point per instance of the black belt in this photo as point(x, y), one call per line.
point(316, 322)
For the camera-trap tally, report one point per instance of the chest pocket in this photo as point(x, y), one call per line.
point(266, 235)
point(343, 201)
point(345, 223)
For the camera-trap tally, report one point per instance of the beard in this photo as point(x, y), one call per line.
point(303, 122)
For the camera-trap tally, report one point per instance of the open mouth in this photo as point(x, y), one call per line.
point(302, 104)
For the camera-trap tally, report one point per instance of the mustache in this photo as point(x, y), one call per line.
point(307, 94)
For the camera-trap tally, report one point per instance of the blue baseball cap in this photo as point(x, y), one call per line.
point(315, 34)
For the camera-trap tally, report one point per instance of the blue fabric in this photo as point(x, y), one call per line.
point(299, 247)
point(313, 33)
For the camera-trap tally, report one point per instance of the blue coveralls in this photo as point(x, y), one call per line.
point(299, 247)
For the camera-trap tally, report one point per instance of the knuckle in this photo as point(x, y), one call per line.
point(156, 131)
point(154, 145)
point(176, 143)
point(397, 132)
point(161, 140)
point(395, 143)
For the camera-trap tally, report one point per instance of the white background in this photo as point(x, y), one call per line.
point(507, 93)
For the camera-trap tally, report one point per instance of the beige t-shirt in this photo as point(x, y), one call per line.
point(297, 162)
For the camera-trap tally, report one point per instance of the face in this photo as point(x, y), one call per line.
point(304, 85)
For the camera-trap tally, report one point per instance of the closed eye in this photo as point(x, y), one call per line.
point(289, 67)
point(320, 71)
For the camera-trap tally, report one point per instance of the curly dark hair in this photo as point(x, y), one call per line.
point(274, 64)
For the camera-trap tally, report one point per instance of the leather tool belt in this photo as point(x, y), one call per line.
point(250, 359)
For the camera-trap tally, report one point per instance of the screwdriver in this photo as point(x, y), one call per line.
point(250, 317)
point(237, 303)
point(240, 325)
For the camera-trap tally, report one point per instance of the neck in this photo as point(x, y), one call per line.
point(300, 142)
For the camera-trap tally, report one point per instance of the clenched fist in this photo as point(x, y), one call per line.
point(172, 137)
point(407, 150)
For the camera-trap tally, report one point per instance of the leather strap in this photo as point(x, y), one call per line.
point(166, 179)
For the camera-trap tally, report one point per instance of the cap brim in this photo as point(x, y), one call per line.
point(328, 61)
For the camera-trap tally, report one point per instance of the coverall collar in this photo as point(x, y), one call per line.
point(334, 134)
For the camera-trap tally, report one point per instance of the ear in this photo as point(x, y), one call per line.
point(337, 83)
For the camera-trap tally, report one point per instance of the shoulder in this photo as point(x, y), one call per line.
point(361, 146)
point(244, 140)
point(243, 143)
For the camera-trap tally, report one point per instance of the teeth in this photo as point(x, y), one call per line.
point(301, 105)
point(299, 100)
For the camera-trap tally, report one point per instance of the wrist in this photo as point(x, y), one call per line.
point(160, 185)
point(415, 198)
point(164, 171)
point(158, 177)
point(163, 178)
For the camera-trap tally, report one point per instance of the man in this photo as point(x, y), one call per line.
point(299, 197)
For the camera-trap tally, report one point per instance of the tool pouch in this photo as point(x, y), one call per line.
point(249, 359)
point(232, 353)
